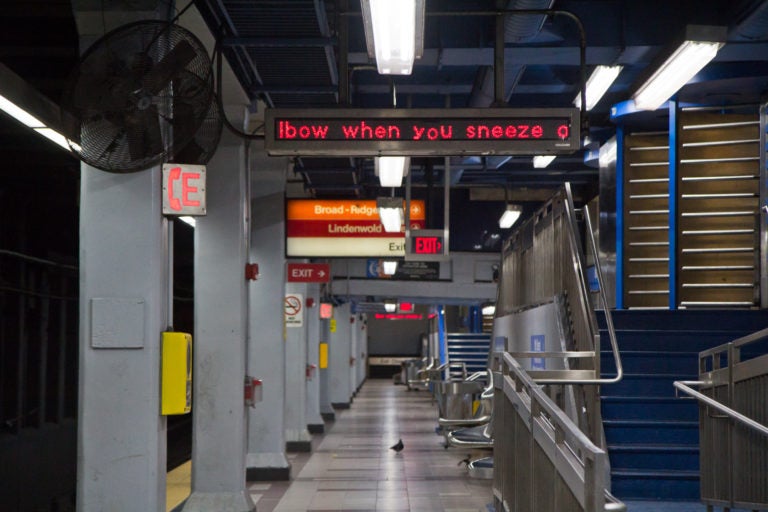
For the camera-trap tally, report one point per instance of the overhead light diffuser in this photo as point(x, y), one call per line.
point(394, 33)
point(391, 170)
point(597, 84)
point(391, 213)
point(542, 161)
point(390, 306)
point(689, 58)
point(31, 121)
point(488, 309)
point(510, 216)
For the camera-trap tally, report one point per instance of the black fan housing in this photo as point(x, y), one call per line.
point(138, 95)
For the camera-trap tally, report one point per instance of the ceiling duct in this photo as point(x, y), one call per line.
point(520, 28)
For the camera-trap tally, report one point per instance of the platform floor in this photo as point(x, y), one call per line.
point(351, 467)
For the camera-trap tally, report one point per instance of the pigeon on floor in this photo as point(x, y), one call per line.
point(398, 447)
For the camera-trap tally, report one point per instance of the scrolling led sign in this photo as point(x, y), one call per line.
point(421, 132)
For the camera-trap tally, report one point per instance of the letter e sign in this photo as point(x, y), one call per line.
point(183, 189)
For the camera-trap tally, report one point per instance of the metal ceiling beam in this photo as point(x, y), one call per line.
point(280, 42)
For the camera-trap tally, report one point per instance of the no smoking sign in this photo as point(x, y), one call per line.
point(294, 310)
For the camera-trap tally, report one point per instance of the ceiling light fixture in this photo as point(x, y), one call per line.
point(390, 305)
point(391, 170)
point(394, 33)
point(391, 213)
point(510, 216)
point(597, 84)
point(189, 220)
point(488, 309)
point(389, 266)
point(31, 121)
point(607, 154)
point(700, 47)
point(542, 161)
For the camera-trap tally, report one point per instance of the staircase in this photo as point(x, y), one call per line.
point(653, 437)
point(470, 349)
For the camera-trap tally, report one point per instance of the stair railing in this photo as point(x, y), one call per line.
point(540, 439)
point(588, 317)
point(734, 445)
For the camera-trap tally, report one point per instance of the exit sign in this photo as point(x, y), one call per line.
point(427, 244)
point(309, 272)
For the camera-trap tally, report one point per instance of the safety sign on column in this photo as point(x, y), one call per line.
point(294, 310)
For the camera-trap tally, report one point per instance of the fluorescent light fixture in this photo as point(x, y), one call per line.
point(31, 121)
point(597, 84)
point(392, 169)
point(390, 267)
point(189, 220)
point(390, 306)
point(394, 33)
point(391, 213)
point(541, 161)
point(488, 309)
point(607, 153)
point(510, 216)
point(689, 58)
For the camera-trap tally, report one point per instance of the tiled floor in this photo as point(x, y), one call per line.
point(352, 468)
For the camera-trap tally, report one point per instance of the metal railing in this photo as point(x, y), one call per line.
point(555, 229)
point(733, 419)
point(543, 461)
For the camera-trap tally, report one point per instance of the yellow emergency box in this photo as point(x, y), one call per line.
point(176, 377)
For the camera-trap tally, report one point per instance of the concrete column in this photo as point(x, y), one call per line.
point(296, 434)
point(124, 290)
point(314, 421)
point(221, 309)
point(124, 282)
point(326, 409)
point(339, 381)
point(354, 325)
point(362, 350)
point(266, 342)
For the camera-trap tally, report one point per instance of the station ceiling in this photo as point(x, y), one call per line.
point(286, 53)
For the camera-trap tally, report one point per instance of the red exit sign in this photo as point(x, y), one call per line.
point(309, 272)
point(426, 245)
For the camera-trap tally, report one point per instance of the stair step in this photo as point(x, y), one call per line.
point(655, 432)
point(645, 385)
point(649, 408)
point(628, 484)
point(652, 362)
point(721, 320)
point(654, 457)
point(669, 341)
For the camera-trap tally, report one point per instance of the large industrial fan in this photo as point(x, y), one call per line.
point(141, 95)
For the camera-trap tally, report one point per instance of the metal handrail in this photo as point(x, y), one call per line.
point(557, 419)
point(684, 386)
point(578, 266)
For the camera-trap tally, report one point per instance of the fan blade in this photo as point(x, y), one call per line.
point(142, 129)
point(184, 122)
point(171, 65)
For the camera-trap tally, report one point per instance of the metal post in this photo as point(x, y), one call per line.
point(673, 159)
point(763, 215)
point(61, 387)
point(498, 62)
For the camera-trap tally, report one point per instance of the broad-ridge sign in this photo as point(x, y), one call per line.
point(421, 132)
